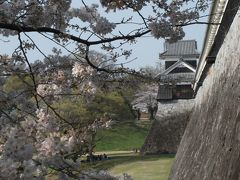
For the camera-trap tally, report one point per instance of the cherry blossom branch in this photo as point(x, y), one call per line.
point(138, 12)
point(30, 69)
point(115, 71)
point(8, 116)
point(20, 28)
point(197, 22)
point(55, 112)
point(52, 39)
point(45, 56)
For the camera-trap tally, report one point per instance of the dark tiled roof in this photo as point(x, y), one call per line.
point(180, 48)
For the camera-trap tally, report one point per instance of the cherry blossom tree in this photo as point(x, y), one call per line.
point(37, 136)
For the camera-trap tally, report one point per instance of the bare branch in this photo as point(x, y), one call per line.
point(192, 23)
point(20, 28)
point(30, 69)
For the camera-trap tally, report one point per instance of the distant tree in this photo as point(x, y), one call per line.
point(151, 71)
point(152, 106)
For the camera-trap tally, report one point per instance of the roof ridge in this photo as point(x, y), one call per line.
point(182, 41)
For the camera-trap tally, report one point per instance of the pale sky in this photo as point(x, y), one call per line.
point(146, 50)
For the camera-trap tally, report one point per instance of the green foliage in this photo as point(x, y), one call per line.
point(113, 104)
point(74, 110)
point(15, 83)
point(110, 104)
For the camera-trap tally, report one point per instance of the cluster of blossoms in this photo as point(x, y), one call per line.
point(51, 146)
point(163, 29)
point(45, 13)
point(89, 88)
point(123, 4)
point(18, 147)
point(82, 71)
point(60, 76)
point(9, 168)
point(102, 26)
point(100, 124)
point(50, 139)
point(48, 89)
point(99, 24)
point(44, 123)
point(17, 157)
point(32, 147)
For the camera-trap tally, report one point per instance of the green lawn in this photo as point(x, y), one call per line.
point(157, 168)
point(123, 136)
point(149, 167)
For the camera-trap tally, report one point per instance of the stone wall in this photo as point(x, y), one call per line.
point(165, 134)
point(210, 147)
point(167, 130)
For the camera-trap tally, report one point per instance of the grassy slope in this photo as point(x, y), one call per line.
point(154, 168)
point(125, 136)
point(149, 167)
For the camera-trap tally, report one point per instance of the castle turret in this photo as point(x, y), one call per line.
point(180, 62)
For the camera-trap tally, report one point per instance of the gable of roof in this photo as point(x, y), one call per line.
point(180, 48)
point(179, 63)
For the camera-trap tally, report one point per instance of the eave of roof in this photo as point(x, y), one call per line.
point(216, 15)
point(163, 56)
